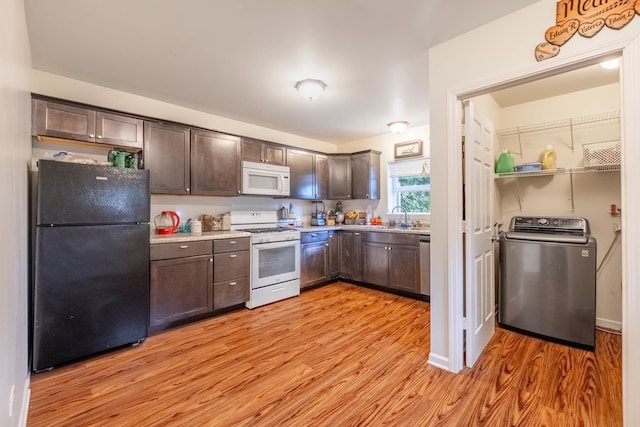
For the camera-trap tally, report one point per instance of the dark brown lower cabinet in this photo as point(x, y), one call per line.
point(180, 285)
point(313, 264)
point(391, 260)
point(231, 267)
point(350, 255)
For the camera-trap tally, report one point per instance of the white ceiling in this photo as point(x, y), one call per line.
point(241, 58)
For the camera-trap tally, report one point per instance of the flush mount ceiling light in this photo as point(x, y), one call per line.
point(310, 89)
point(611, 64)
point(398, 126)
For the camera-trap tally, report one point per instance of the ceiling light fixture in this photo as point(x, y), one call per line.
point(611, 64)
point(398, 126)
point(310, 89)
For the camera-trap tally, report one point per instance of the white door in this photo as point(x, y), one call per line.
point(479, 259)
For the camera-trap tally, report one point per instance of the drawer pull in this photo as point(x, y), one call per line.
point(233, 242)
point(184, 246)
point(233, 283)
point(233, 256)
point(277, 289)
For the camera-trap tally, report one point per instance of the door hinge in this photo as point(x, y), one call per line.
point(465, 323)
point(464, 226)
point(463, 130)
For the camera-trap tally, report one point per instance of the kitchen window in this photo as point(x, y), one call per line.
point(410, 185)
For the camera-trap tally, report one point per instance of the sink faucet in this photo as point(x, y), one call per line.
point(406, 216)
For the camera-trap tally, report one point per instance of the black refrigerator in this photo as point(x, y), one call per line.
point(90, 284)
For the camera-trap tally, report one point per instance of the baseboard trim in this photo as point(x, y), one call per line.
point(26, 398)
point(609, 324)
point(439, 361)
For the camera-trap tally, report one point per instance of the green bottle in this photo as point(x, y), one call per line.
point(504, 163)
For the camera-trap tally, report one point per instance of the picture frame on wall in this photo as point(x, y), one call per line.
point(407, 150)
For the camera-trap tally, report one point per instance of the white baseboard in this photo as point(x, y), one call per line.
point(26, 398)
point(609, 324)
point(439, 361)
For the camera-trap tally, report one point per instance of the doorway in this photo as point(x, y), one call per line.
point(577, 115)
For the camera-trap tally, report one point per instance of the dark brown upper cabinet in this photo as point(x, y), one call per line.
point(79, 123)
point(167, 157)
point(255, 150)
point(365, 175)
point(308, 174)
point(215, 164)
point(340, 177)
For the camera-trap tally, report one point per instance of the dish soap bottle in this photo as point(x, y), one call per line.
point(549, 158)
point(504, 163)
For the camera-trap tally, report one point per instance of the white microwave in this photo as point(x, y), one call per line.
point(264, 179)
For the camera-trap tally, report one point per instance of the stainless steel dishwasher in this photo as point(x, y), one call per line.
point(548, 279)
point(425, 265)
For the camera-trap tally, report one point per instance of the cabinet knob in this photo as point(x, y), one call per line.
point(187, 188)
point(326, 244)
point(210, 259)
point(238, 191)
point(348, 196)
point(99, 136)
point(356, 234)
point(91, 135)
point(367, 196)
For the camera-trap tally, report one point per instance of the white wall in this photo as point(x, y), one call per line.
point(551, 195)
point(15, 125)
point(499, 52)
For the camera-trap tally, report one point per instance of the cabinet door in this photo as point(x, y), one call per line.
point(230, 265)
point(301, 165)
point(255, 150)
point(346, 254)
point(251, 150)
point(63, 121)
point(180, 289)
point(313, 264)
point(230, 293)
point(375, 257)
point(404, 268)
point(350, 255)
point(167, 157)
point(274, 154)
point(215, 164)
point(334, 255)
point(321, 176)
point(365, 175)
point(339, 177)
point(116, 129)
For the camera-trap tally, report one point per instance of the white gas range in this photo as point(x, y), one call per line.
point(275, 256)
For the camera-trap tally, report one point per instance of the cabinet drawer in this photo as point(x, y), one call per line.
point(230, 293)
point(392, 238)
point(230, 265)
point(179, 250)
point(313, 237)
point(230, 245)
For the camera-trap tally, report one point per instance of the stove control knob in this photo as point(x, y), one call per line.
point(543, 221)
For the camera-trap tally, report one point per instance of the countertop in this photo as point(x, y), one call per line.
point(213, 235)
point(188, 237)
point(376, 228)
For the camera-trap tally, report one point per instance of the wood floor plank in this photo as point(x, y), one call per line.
point(336, 355)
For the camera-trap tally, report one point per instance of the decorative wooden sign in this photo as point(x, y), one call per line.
point(587, 18)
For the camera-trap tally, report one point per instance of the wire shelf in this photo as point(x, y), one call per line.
point(560, 171)
point(592, 118)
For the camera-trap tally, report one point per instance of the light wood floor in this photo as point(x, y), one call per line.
point(340, 355)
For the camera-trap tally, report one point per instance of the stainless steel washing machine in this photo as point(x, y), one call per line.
point(548, 279)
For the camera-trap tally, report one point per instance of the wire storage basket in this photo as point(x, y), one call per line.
point(601, 153)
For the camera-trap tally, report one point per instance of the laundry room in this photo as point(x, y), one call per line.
point(558, 156)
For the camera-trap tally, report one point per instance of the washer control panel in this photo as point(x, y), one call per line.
point(553, 225)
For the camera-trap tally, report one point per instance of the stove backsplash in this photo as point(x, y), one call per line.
point(194, 206)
